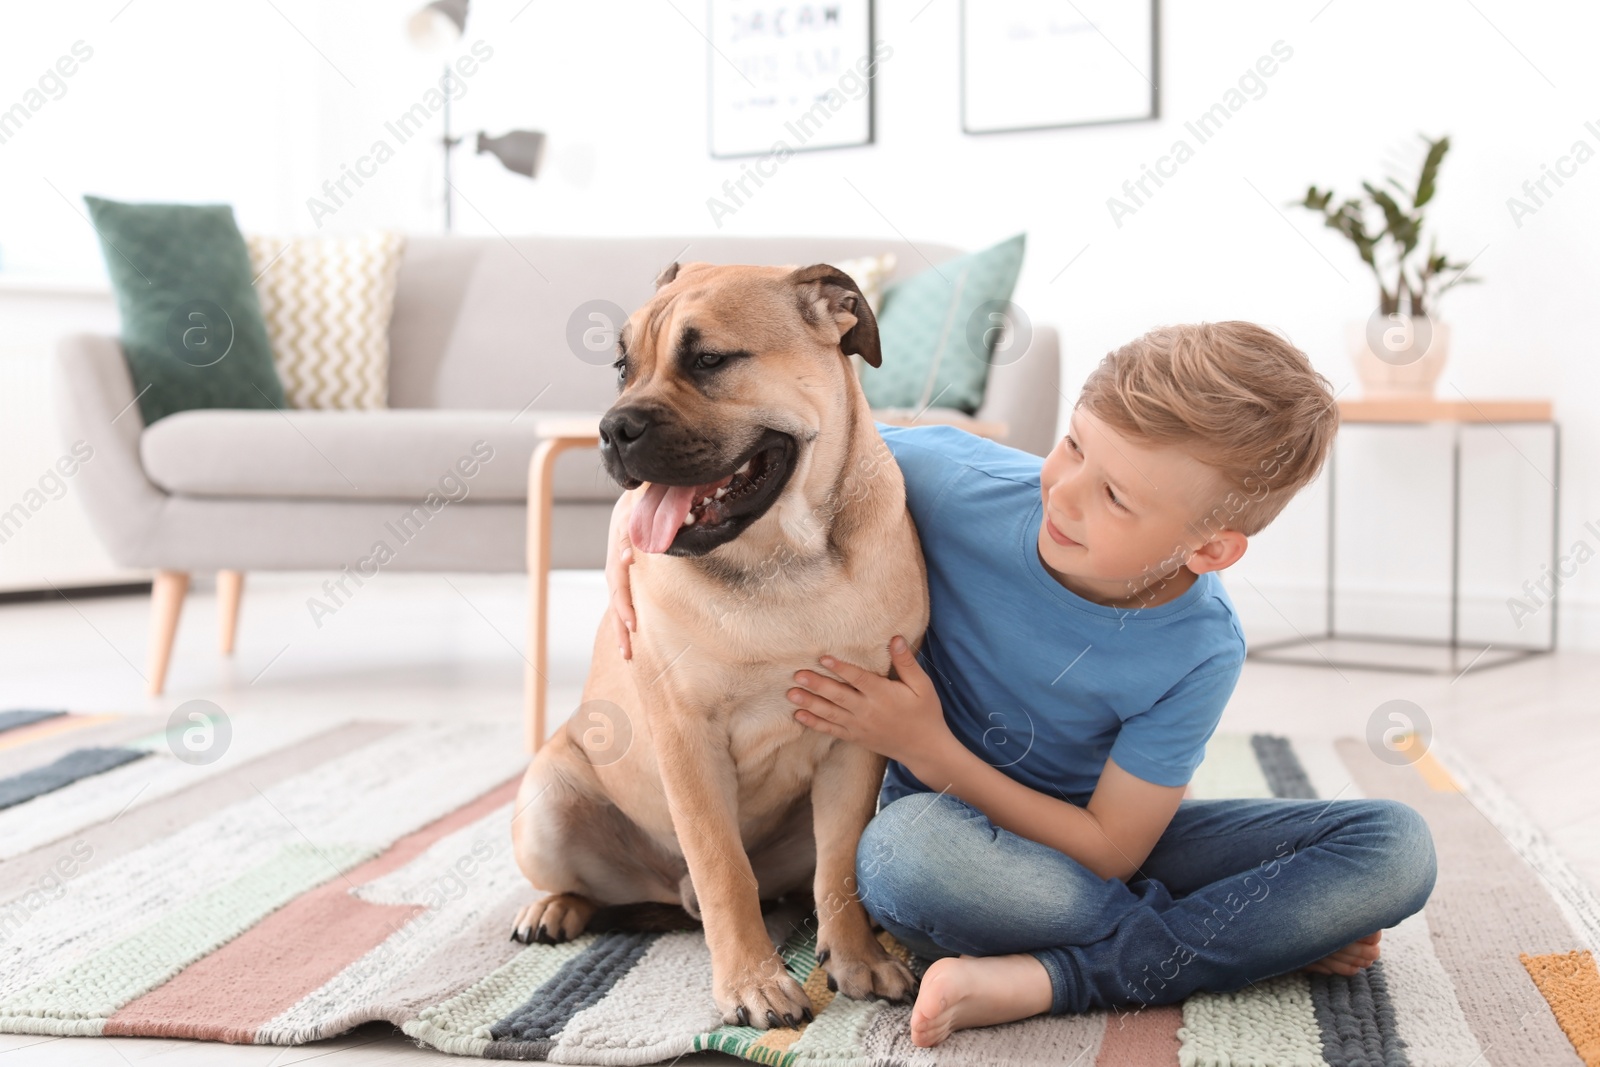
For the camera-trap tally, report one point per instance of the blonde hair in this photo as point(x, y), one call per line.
point(1235, 396)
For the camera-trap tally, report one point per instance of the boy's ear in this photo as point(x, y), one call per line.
point(1219, 553)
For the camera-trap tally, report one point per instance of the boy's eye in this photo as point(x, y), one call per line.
point(1111, 494)
point(1072, 444)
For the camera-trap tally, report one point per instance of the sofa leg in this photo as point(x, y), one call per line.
point(230, 587)
point(166, 604)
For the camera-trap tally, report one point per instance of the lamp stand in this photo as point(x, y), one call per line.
point(449, 145)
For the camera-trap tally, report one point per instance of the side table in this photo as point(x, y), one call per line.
point(1459, 414)
point(583, 431)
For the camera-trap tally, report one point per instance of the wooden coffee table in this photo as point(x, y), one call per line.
point(560, 433)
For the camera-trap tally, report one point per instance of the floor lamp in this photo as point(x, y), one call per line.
point(440, 25)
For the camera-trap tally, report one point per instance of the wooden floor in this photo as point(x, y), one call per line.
point(426, 646)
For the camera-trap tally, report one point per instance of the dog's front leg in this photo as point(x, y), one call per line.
point(748, 978)
point(843, 795)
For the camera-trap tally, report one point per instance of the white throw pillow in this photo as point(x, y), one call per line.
point(327, 302)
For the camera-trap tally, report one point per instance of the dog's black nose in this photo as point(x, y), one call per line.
point(622, 427)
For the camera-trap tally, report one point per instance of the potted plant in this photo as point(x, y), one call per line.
point(1401, 347)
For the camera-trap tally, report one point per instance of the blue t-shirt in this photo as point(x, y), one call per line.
point(1039, 682)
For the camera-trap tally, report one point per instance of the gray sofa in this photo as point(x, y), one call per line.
point(479, 354)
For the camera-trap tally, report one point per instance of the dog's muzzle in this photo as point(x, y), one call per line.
point(699, 493)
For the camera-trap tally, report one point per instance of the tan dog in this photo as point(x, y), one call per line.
point(770, 527)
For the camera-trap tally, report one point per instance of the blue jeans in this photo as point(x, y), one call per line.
point(1234, 892)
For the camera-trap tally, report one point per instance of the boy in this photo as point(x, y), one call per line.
point(1032, 838)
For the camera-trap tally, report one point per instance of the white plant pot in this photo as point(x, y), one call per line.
point(1396, 357)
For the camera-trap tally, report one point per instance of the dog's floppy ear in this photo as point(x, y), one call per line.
point(672, 271)
point(844, 297)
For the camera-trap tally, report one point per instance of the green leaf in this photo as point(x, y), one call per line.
point(1316, 200)
point(1402, 227)
point(1430, 171)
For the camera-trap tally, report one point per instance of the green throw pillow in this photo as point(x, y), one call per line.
point(191, 324)
point(935, 335)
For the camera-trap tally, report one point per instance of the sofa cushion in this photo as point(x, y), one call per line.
point(327, 302)
point(191, 322)
point(402, 454)
point(936, 332)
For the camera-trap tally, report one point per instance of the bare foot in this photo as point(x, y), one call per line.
point(1352, 959)
point(966, 991)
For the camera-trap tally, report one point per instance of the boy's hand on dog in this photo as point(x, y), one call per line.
point(619, 555)
point(898, 718)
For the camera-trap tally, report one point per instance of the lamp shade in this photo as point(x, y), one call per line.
point(519, 150)
point(439, 25)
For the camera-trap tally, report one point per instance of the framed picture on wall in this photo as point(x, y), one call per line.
point(1042, 64)
point(790, 77)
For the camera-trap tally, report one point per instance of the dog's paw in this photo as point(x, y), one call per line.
point(763, 995)
point(866, 972)
point(553, 919)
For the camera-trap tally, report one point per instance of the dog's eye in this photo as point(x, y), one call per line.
point(621, 367)
point(707, 360)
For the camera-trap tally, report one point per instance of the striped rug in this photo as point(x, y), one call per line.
point(320, 876)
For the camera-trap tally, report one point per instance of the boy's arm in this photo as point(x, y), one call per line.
point(1128, 811)
point(619, 554)
point(1112, 836)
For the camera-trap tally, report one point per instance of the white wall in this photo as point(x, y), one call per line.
point(195, 101)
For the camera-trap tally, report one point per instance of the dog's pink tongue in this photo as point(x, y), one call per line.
point(658, 514)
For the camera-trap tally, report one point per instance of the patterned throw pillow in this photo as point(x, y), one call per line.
point(327, 303)
point(936, 344)
point(869, 272)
